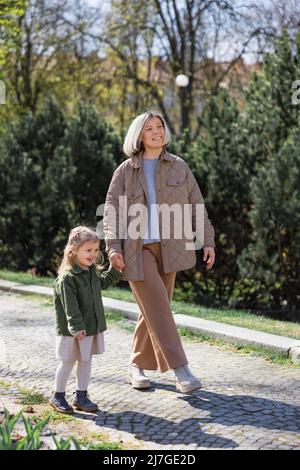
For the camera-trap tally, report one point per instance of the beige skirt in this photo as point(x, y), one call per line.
point(70, 349)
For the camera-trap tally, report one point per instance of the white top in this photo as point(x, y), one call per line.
point(152, 234)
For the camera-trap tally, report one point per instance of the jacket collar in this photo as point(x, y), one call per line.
point(135, 161)
point(77, 269)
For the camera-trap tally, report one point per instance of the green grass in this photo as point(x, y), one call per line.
point(232, 317)
point(42, 300)
point(240, 318)
point(119, 294)
point(268, 354)
point(113, 316)
point(26, 278)
point(30, 397)
point(56, 417)
point(4, 384)
point(100, 445)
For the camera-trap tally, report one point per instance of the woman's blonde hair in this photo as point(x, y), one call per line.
point(78, 236)
point(132, 143)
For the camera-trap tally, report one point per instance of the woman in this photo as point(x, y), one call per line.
point(152, 178)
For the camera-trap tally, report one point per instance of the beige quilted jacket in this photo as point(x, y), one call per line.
point(175, 184)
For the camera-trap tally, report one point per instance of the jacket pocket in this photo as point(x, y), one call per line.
point(176, 189)
point(175, 180)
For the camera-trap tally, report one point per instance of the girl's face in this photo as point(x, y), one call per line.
point(153, 134)
point(87, 254)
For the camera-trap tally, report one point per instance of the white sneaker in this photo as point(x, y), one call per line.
point(185, 381)
point(137, 378)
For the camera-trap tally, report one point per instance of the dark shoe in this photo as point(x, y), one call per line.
point(59, 403)
point(82, 401)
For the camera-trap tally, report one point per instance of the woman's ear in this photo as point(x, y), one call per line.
point(73, 250)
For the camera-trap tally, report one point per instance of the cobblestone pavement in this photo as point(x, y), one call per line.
point(246, 402)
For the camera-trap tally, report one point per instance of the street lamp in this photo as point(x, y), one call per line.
point(182, 80)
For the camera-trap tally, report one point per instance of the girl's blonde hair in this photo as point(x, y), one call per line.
point(78, 236)
point(132, 143)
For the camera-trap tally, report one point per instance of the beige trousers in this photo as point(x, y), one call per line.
point(156, 342)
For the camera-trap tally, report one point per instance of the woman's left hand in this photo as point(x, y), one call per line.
point(209, 256)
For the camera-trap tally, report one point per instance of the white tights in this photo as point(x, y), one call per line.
point(64, 370)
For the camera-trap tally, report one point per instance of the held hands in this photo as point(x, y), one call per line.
point(209, 256)
point(80, 335)
point(116, 260)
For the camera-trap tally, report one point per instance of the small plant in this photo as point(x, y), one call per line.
point(11, 440)
point(65, 444)
point(8, 438)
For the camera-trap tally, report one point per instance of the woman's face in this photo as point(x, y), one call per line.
point(153, 135)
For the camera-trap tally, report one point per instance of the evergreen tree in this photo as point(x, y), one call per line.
point(55, 173)
point(35, 198)
point(270, 265)
point(94, 150)
point(219, 162)
point(247, 164)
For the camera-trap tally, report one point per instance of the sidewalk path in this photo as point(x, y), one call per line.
point(236, 334)
point(245, 402)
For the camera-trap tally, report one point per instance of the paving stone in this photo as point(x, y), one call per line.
point(246, 402)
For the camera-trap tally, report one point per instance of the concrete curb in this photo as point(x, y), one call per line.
point(290, 347)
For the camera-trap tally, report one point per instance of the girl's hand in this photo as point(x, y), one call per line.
point(209, 256)
point(80, 335)
point(117, 261)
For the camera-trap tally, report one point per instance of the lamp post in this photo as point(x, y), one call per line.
point(2, 92)
point(182, 82)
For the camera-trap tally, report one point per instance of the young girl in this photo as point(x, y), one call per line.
point(80, 320)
